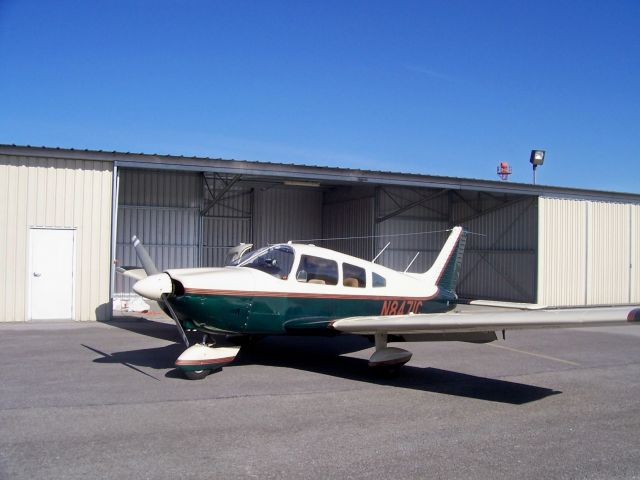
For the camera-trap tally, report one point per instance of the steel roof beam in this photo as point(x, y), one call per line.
point(412, 205)
point(218, 197)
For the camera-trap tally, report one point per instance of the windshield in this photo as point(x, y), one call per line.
point(276, 261)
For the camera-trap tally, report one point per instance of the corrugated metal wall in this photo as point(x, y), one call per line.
point(500, 256)
point(55, 193)
point(163, 209)
point(226, 224)
point(588, 253)
point(349, 218)
point(286, 213)
point(429, 218)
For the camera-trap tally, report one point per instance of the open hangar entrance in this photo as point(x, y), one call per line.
point(191, 218)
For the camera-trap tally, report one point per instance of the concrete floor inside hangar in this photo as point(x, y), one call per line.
point(96, 400)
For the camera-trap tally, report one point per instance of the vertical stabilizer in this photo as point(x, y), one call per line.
point(446, 269)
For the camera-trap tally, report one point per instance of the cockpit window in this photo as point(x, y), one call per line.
point(276, 261)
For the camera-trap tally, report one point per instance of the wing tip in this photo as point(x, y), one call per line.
point(634, 315)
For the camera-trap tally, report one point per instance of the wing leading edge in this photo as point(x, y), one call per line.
point(486, 321)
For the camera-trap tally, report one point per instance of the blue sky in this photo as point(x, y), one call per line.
point(434, 87)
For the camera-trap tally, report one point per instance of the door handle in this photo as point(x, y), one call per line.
point(37, 274)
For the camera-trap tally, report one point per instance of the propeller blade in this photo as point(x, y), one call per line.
point(156, 287)
point(144, 257)
point(136, 273)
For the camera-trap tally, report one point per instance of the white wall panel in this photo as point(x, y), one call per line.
point(50, 192)
point(634, 271)
point(562, 249)
point(587, 252)
point(608, 253)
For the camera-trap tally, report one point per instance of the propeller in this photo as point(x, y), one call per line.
point(156, 285)
point(148, 265)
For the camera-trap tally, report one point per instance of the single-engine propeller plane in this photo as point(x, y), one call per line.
point(298, 289)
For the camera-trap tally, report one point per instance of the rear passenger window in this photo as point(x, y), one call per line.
point(378, 280)
point(317, 270)
point(353, 276)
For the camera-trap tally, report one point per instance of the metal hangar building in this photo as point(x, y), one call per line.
point(67, 217)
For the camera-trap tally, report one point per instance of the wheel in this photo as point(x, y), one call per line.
point(196, 374)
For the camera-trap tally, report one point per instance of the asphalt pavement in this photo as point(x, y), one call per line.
point(102, 400)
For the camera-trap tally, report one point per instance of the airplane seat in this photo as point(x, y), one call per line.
point(351, 282)
point(316, 281)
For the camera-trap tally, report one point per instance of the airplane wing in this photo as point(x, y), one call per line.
point(487, 321)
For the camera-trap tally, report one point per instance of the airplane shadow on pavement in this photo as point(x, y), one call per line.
point(326, 356)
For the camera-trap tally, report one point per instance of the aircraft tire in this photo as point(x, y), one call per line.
point(196, 374)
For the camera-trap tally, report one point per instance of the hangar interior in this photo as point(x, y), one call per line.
point(190, 219)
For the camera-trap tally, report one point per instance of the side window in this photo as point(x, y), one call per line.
point(317, 270)
point(353, 276)
point(378, 280)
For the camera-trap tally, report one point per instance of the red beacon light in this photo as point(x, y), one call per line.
point(504, 170)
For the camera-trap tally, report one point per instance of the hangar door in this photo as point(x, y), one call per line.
point(162, 208)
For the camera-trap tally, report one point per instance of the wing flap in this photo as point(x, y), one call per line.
point(482, 322)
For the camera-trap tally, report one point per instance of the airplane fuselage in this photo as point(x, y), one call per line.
point(300, 297)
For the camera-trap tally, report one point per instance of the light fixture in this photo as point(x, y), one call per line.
point(301, 183)
point(537, 158)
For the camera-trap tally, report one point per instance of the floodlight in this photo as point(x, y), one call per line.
point(537, 157)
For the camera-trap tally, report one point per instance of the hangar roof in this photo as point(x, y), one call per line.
point(320, 174)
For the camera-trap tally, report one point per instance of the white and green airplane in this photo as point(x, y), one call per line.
point(297, 289)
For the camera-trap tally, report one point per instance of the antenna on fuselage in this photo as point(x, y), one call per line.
point(411, 262)
point(376, 257)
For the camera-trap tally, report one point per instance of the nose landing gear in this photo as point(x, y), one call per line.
point(199, 360)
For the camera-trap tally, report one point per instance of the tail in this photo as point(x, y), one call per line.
point(446, 269)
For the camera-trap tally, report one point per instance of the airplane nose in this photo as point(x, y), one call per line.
point(153, 286)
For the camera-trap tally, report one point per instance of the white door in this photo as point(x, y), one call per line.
point(51, 273)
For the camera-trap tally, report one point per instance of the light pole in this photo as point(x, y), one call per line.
point(537, 158)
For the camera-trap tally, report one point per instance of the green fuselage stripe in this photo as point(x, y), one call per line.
point(250, 313)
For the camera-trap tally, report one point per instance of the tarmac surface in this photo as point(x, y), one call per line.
point(102, 400)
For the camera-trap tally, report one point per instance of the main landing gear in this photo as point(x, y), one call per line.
point(387, 360)
point(199, 360)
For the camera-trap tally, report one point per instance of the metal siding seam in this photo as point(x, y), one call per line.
point(586, 253)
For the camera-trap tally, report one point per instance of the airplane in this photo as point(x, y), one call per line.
point(300, 289)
